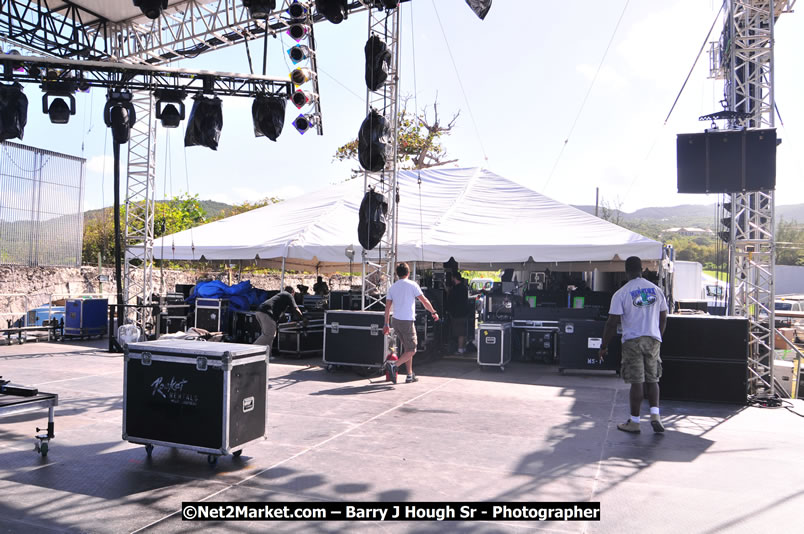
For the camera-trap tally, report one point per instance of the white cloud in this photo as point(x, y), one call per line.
point(607, 75)
point(97, 164)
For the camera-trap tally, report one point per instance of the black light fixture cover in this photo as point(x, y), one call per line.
point(151, 8)
point(334, 11)
point(378, 60)
point(373, 142)
point(206, 122)
point(480, 7)
point(13, 111)
point(268, 114)
point(371, 228)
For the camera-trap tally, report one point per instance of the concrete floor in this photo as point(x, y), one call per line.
point(459, 434)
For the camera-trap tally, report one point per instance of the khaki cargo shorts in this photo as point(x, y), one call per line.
point(406, 331)
point(640, 361)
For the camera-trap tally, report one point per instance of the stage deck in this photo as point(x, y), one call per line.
point(459, 434)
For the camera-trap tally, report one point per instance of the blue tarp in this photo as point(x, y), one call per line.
point(242, 296)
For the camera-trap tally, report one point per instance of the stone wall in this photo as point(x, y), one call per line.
point(24, 288)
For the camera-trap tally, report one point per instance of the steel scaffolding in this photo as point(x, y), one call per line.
point(746, 64)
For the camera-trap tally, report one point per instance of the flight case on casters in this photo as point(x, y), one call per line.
point(355, 338)
point(206, 397)
point(494, 344)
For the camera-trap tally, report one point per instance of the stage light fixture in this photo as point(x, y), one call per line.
point(297, 10)
point(268, 114)
point(58, 110)
point(13, 111)
point(151, 8)
point(119, 115)
point(301, 75)
point(303, 122)
point(170, 106)
point(260, 9)
point(299, 53)
point(302, 98)
point(334, 11)
point(298, 32)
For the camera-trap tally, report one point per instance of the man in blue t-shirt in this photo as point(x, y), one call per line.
point(641, 308)
point(402, 298)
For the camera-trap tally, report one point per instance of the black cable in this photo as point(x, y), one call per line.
point(118, 270)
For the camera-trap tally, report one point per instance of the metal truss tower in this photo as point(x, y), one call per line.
point(746, 64)
point(140, 204)
point(379, 263)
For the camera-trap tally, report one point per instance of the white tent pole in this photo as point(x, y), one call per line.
point(282, 280)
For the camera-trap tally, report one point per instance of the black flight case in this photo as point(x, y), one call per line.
point(494, 344)
point(299, 339)
point(355, 338)
point(207, 397)
point(579, 346)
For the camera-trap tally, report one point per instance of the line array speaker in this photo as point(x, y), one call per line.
point(726, 161)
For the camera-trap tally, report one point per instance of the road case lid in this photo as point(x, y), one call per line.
point(186, 347)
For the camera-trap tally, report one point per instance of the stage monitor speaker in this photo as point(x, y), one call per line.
point(705, 337)
point(726, 161)
point(704, 381)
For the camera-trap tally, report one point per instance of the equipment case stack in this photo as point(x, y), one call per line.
point(355, 338)
point(494, 344)
point(207, 397)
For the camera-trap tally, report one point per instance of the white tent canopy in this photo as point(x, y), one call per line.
point(473, 215)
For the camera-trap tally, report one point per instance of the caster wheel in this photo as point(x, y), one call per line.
point(330, 368)
point(149, 449)
point(212, 459)
point(502, 368)
point(237, 454)
point(43, 449)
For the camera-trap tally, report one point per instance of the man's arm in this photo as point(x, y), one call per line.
point(609, 331)
point(662, 322)
point(388, 305)
point(429, 307)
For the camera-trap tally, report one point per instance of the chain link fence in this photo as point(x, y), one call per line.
point(41, 207)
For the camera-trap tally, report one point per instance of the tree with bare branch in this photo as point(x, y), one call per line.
point(418, 137)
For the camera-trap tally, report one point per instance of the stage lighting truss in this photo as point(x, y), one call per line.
point(62, 77)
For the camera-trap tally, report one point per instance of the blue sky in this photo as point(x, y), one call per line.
point(525, 73)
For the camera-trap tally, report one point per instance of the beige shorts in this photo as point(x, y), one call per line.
point(640, 361)
point(406, 331)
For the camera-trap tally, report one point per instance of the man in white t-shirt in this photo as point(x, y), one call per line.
point(402, 298)
point(641, 308)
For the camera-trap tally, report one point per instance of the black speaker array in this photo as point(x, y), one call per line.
point(705, 358)
point(726, 161)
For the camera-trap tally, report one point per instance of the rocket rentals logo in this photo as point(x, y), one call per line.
point(173, 391)
point(644, 297)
